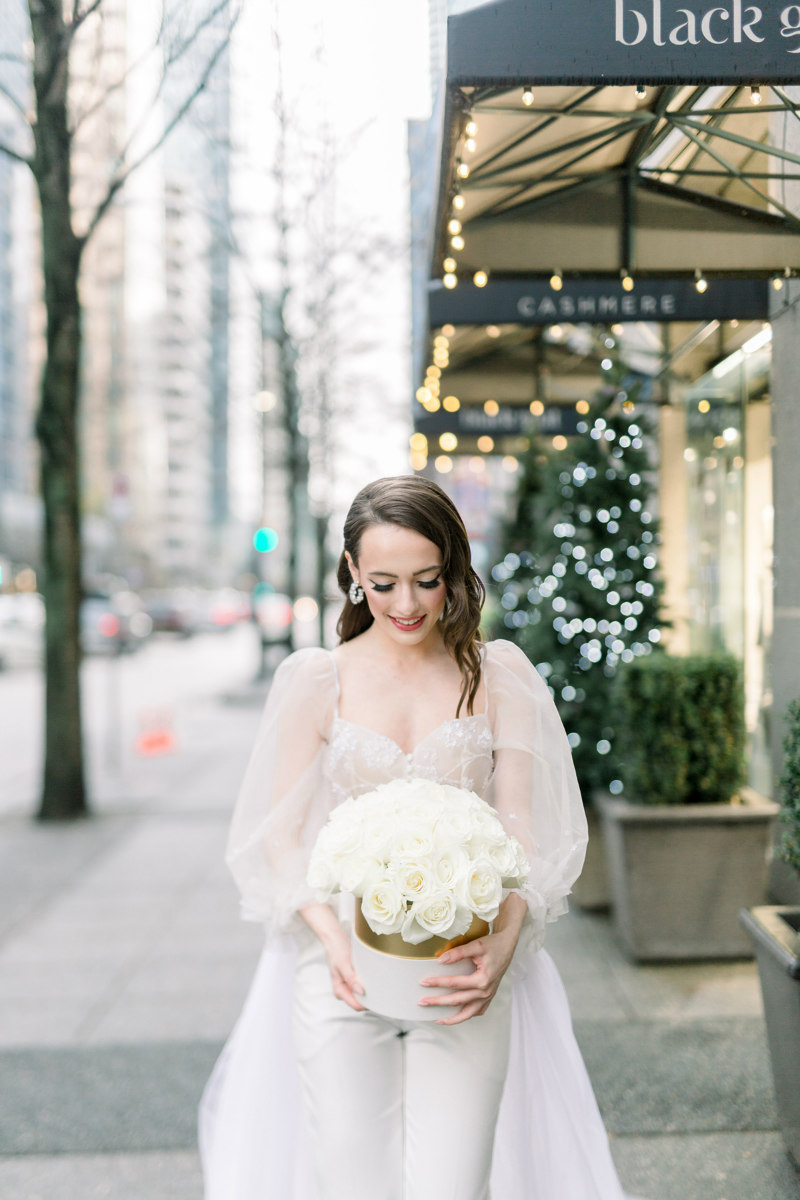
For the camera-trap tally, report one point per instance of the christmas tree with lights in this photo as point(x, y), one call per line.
point(579, 589)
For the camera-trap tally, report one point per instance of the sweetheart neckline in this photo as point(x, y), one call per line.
point(410, 753)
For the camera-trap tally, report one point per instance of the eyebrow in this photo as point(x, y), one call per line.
point(388, 574)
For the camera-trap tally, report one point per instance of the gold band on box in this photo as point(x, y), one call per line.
point(393, 944)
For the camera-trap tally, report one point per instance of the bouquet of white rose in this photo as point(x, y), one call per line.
point(424, 858)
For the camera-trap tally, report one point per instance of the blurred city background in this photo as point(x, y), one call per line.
point(252, 256)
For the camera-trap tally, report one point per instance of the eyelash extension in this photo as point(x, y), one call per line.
point(387, 587)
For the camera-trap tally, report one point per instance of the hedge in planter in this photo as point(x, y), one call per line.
point(683, 856)
point(683, 732)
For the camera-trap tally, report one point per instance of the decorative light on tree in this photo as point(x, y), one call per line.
point(579, 589)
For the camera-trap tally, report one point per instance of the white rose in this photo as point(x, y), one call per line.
point(436, 914)
point(450, 866)
point(504, 858)
point(357, 871)
point(383, 907)
point(414, 841)
point(415, 879)
point(343, 834)
point(321, 876)
point(481, 890)
point(454, 829)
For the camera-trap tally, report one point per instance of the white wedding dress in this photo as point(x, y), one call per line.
point(550, 1143)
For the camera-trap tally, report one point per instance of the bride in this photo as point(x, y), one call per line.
point(315, 1097)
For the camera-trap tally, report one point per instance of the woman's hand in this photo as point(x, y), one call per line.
point(322, 920)
point(491, 954)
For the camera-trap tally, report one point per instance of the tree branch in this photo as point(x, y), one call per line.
point(79, 17)
point(9, 95)
point(16, 155)
point(124, 174)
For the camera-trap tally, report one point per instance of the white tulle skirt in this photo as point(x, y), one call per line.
point(550, 1143)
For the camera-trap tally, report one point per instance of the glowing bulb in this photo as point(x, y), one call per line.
point(556, 331)
point(491, 408)
point(777, 283)
point(418, 461)
point(441, 342)
point(703, 406)
point(449, 280)
point(527, 96)
point(451, 404)
point(449, 330)
point(470, 129)
point(537, 408)
point(457, 242)
point(448, 441)
point(492, 331)
point(510, 463)
point(559, 442)
point(627, 282)
point(480, 279)
point(423, 395)
point(454, 225)
point(485, 444)
point(449, 264)
point(700, 281)
point(755, 95)
point(418, 441)
point(458, 201)
point(443, 464)
point(463, 170)
point(582, 407)
point(640, 91)
point(556, 281)
point(470, 145)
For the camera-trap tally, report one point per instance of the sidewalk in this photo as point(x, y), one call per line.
point(123, 966)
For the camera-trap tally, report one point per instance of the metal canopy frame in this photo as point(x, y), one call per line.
point(701, 147)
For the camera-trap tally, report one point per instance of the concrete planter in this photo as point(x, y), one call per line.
point(776, 936)
point(590, 890)
point(679, 874)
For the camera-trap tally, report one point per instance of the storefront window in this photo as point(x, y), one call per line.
point(729, 528)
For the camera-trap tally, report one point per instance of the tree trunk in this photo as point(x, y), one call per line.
point(63, 793)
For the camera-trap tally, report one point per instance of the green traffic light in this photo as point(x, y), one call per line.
point(265, 539)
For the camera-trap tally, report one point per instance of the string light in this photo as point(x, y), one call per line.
point(463, 169)
point(418, 442)
point(449, 264)
point(556, 281)
point(449, 330)
point(627, 280)
point(491, 408)
point(454, 225)
point(470, 145)
point(458, 201)
point(441, 342)
point(485, 444)
point(448, 441)
point(640, 91)
point(777, 282)
point(493, 331)
point(449, 280)
point(527, 96)
point(480, 279)
point(755, 95)
point(537, 408)
point(443, 464)
point(470, 128)
point(451, 404)
point(700, 281)
point(457, 242)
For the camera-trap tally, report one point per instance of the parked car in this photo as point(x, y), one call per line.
point(113, 624)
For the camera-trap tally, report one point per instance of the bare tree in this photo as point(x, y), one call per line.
point(189, 42)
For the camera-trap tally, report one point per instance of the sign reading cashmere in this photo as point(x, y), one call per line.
point(625, 41)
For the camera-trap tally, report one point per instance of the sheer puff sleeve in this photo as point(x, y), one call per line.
point(284, 799)
point(534, 787)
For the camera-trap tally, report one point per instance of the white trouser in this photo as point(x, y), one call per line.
point(397, 1110)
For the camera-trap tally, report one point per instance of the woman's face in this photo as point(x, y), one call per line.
point(400, 572)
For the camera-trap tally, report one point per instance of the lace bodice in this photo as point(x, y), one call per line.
point(458, 752)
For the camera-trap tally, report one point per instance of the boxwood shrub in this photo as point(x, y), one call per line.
point(789, 788)
point(682, 729)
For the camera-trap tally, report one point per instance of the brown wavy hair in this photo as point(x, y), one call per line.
point(414, 502)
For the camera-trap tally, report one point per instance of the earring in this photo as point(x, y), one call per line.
point(356, 592)
point(444, 610)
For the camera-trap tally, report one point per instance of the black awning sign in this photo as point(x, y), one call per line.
point(647, 41)
point(594, 301)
